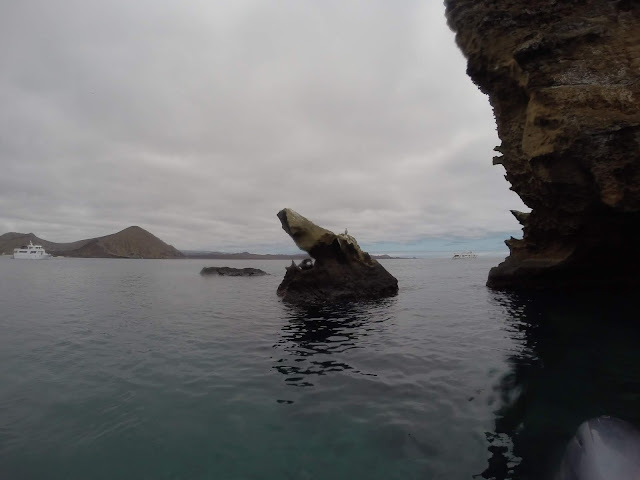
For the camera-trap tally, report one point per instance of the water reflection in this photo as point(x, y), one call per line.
point(316, 340)
point(574, 357)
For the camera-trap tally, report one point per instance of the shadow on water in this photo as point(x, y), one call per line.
point(316, 340)
point(574, 357)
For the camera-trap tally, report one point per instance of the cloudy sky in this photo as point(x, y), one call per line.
point(200, 120)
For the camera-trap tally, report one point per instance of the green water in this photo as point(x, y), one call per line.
point(146, 370)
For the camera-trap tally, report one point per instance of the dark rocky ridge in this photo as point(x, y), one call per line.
point(132, 242)
point(233, 272)
point(341, 271)
point(564, 82)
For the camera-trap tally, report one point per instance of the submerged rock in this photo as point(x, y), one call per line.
point(341, 271)
point(562, 78)
point(233, 272)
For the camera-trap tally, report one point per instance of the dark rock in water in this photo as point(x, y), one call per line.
point(562, 77)
point(233, 272)
point(341, 270)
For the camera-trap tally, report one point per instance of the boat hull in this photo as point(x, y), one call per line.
point(30, 252)
point(35, 256)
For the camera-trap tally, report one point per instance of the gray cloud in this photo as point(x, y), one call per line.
point(200, 120)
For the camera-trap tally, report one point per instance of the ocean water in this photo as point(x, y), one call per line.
point(143, 369)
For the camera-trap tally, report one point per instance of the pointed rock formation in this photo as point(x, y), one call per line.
point(563, 80)
point(341, 271)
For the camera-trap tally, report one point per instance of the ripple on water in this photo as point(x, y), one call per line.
point(145, 369)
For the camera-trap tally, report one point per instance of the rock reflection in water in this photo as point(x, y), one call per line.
point(317, 339)
point(575, 357)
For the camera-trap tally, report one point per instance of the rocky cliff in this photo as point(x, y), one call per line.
point(132, 242)
point(563, 78)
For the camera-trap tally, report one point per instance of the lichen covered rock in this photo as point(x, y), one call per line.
point(341, 271)
point(564, 82)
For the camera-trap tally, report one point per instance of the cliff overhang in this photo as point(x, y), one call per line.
point(563, 79)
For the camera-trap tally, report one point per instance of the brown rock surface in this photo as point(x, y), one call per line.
point(341, 271)
point(563, 78)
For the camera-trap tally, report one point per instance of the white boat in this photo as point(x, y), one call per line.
point(31, 252)
point(463, 255)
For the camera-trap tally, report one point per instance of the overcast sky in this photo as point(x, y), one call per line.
point(200, 120)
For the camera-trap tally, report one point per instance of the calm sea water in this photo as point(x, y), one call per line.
point(143, 369)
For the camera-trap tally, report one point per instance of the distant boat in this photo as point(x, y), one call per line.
point(31, 252)
point(463, 255)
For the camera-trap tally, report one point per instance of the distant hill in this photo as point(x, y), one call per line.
point(256, 256)
point(242, 256)
point(132, 242)
point(12, 240)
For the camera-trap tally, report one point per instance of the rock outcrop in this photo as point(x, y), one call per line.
point(341, 270)
point(563, 78)
point(233, 272)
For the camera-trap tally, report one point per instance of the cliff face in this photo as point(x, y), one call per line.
point(563, 78)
